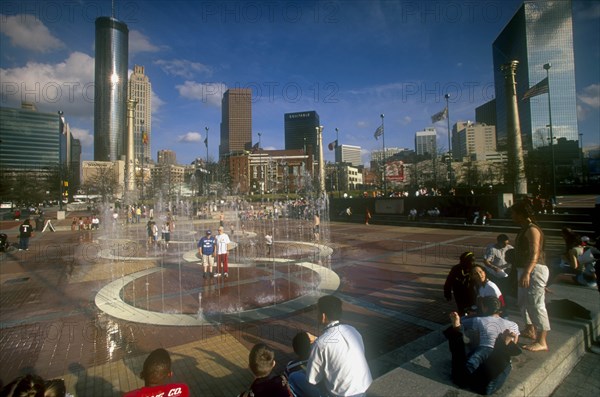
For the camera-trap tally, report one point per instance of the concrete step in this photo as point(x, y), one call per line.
point(533, 374)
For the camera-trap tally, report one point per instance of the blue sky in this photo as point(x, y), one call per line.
point(348, 60)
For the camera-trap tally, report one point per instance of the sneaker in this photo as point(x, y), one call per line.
point(217, 274)
point(226, 274)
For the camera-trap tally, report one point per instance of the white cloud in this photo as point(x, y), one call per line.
point(591, 96)
point(86, 138)
point(67, 85)
point(210, 93)
point(183, 68)
point(156, 102)
point(26, 31)
point(138, 42)
point(189, 137)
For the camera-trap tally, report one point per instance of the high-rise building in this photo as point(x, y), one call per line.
point(166, 157)
point(301, 131)
point(486, 113)
point(140, 90)
point(236, 121)
point(110, 82)
point(470, 138)
point(540, 32)
point(426, 142)
point(348, 154)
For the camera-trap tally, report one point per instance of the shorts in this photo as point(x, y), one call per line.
point(208, 260)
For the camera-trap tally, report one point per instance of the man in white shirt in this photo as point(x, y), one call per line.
point(337, 362)
point(495, 257)
point(222, 256)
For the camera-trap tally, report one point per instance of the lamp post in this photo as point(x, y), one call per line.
point(581, 157)
point(337, 165)
point(547, 67)
point(61, 126)
point(322, 189)
point(384, 156)
point(260, 170)
point(206, 164)
point(447, 96)
point(143, 154)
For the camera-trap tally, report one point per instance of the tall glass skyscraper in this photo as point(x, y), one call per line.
point(540, 32)
point(300, 131)
point(110, 105)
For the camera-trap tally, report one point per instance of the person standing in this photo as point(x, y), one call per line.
point(206, 250)
point(222, 255)
point(166, 234)
point(337, 362)
point(459, 284)
point(25, 231)
point(533, 276)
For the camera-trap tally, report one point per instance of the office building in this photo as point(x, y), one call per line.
point(110, 82)
point(236, 121)
point(426, 142)
point(486, 113)
point(166, 157)
point(140, 90)
point(300, 131)
point(540, 32)
point(348, 154)
point(470, 138)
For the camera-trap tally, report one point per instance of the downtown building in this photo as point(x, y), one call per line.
point(348, 154)
point(140, 90)
point(38, 147)
point(473, 140)
point(426, 142)
point(540, 32)
point(110, 82)
point(236, 122)
point(300, 130)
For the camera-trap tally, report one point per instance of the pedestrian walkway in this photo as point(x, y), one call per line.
point(390, 279)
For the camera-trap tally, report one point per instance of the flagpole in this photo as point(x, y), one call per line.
point(384, 156)
point(60, 132)
point(547, 67)
point(143, 154)
point(337, 165)
point(206, 164)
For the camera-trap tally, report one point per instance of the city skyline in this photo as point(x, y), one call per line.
point(349, 62)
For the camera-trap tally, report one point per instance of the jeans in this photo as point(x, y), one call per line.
point(24, 243)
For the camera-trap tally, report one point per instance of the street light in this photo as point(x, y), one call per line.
point(337, 165)
point(206, 164)
point(581, 157)
point(547, 67)
point(61, 126)
point(143, 154)
point(260, 171)
point(447, 96)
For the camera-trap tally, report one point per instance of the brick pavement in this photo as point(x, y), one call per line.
point(390, 277)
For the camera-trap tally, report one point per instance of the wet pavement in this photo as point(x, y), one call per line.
point(390, 279)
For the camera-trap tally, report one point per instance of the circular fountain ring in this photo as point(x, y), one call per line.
point(109, 298)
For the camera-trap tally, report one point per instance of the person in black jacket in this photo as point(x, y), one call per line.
point(459, 284)
point(25, 231)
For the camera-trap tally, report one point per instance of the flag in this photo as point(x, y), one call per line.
point(333, 145)
point(538, 89)
point(439, 116)
point(144, 138)
point(378, 132)
point(206, 142)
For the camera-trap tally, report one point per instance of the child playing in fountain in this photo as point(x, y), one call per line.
point(206, 250)
point(156, 374)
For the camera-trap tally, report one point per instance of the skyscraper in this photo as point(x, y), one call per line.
point(426, 142)
point(300, 131)
point(110, 80)
point(470, 138)
point(140, 90)
point(236, 121)
point(540, 32)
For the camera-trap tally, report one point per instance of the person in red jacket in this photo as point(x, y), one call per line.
point(156, 374)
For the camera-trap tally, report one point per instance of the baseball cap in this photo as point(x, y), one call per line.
point(208, 232)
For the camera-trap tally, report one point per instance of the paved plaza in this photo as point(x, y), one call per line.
point(88, 306)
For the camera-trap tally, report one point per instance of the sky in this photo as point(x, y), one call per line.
point(350, 61)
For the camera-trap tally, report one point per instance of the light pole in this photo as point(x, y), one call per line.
point(447, 96)
point(547, 67)
point(206, 164)
point(260, 171)
point(322, 189)
point(61, 127)
point(337, 165)
point(143, 154)
point(581, 157)
point(384, 156)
